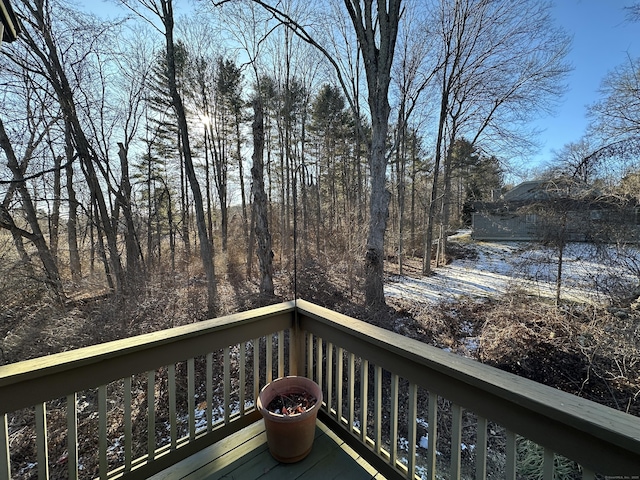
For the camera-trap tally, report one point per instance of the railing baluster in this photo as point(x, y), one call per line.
point(339, 371)
point(269, 359)
point(432, 435)
point(243, 376)
point(377, 412)
point(393, 453)
point(510, 473)
point(227, 384)
point(173, 413)
point(351, 389)
point(209, 384)
point(412, 418)
point(128, 427)
point(293, 351)
point(456, 440)
point(329, 398)
point(41, 441)
point(481, 449)
point(549, 458)
point(281, 353)
point(309, 341)
point(319, 361)
point(72, 436)
point(191, 395)
point(256, 370)
point(151, 415)
point(5, 456)
point(102, 431)
point(364, 396)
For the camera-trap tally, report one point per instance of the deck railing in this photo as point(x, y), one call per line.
point(407, 408)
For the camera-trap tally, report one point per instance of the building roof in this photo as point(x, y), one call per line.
point(10, 23)
point(531, 190)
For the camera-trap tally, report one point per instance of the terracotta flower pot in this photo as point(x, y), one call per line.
point(290, 436)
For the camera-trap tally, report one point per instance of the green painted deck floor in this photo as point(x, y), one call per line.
point(245, 456)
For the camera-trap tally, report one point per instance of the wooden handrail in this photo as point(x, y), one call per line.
point(34, 381)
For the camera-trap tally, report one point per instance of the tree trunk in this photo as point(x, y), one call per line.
point(18, 239)
point(371, 32)
point(206, 250)
point(319, 218)
point(428, 242)
point(207, 181)
point(115, 271)
point(184, 206)
point(414, 161)
point(303, 186)
point(401, 168)
point(92, 240)
point(220, 166)
point(37, 237)
point(22, 252)
point(378, 211)
point(252, 241)
point(72, 223)
point(263, 236)
point(148, 181)
point(172, 235)
point(559, 274)
point(54, 222)
point(446, 206)
point(131, 242)
point(100, 249)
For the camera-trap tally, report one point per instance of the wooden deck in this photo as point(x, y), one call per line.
point(245, 456)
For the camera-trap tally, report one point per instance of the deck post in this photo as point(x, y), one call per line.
point(296, 346)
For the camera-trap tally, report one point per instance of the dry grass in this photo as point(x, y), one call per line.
point(582, 349)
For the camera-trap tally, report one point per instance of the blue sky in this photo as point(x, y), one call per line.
point(602, 40)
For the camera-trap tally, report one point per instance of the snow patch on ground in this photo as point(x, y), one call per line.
point(588, 273)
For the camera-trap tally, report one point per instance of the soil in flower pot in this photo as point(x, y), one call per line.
point(291, 404)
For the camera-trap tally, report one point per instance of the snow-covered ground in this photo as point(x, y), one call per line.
point(588, 275)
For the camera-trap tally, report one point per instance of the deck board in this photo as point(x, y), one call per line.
point(245, 455)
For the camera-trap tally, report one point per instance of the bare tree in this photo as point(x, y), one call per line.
point(163, 10)
point(376, 29)
point(412, 75)
point(51, 62)
point(6, 221)
point(616, 116)
point(501, 63)
point(633, 12)
point(574, 160)
point(134, 63)
point(75, 265)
